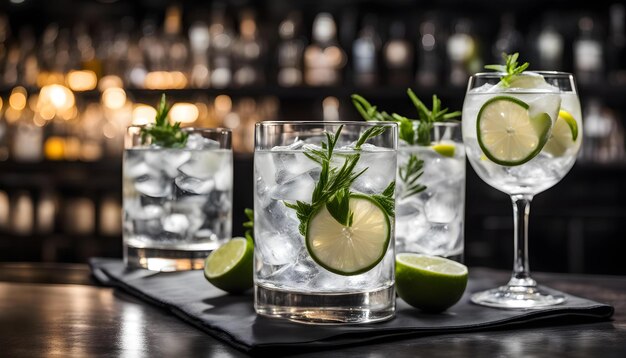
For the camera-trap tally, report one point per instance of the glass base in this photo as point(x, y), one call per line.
point(166, 260)
point(326, 308)
point(522, 297)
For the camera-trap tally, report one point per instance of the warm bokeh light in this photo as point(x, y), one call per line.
point(143, 114)
point(82, 80)
point(184, 112)
point(110, 81)
point(17, 99)
point(54, 148)
point(50, 78)
point(59, 97)
point(223, 104)
point(114, 98)
point(165, 80)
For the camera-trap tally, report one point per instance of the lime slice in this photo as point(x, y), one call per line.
point(507, 134)
point(230, 267)
point(349, 250)
point(430, 283)
point(563, 135)
point(445, 149)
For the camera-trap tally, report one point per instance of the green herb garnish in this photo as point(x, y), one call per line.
point(409, 173)
point(249, 225)
point(333, 187)
point(510, 68)
point(427, 117)
point(162, 133)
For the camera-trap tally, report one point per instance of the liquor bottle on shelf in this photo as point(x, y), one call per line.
point(323, 58)
point(365, 50)
point(199, 46)
point(398, 55)
point(508, 40)
point(462, 48)
point(616, 46)
point(549, 46)
point(290, 51)
point(247, 53)
point(221, 40)
point(428, 56)
point(176, 46)
point(588, 53)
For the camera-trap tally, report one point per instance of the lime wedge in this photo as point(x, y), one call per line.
point(507, 134)
point(430, 283)
point(349, 250)
point(564, 134)
point(230, 266)
point(445, 149)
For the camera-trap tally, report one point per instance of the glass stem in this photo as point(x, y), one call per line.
point(521, 270)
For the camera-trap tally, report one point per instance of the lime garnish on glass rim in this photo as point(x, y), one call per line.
point(507, 134)
point(563, 136)
point(445, 149)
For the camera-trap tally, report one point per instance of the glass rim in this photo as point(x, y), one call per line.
point(191, 129)
point(324, 123)
point(541, 72)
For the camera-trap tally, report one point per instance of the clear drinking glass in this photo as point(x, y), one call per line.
point(430, 221)
point(177, 201)
point(494, 119)
point(325, 272)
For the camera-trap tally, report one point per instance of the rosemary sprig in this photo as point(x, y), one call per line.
point(412, 170)
point(162, 133)
point(333, 187)
point(510, 68)
point(409, 174)
point(427, 117)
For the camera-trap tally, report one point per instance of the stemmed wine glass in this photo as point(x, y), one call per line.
point(521, 136)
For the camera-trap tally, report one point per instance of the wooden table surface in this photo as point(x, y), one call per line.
point(57, 310)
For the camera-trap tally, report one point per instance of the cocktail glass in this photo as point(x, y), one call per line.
point(309, 265)
point(177, 201)
point(521, 139)
point(429, 217)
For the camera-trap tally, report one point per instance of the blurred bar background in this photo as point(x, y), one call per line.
point(74, 74)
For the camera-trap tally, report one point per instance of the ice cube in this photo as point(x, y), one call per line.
point(381, 170)
point(543, 103)
point(443, 207)
point(205, 235)
point(276, 249)
point(264, 168)
point(204, 164)
point(175, 223)
point(298, 188)
point(137, 167)
point(224, 178)
point(440, 240)
point(135, 210)
point(194, 185)
point(410, 206)
point(167, 160)
point(409, 230)
point(196, 141)
point(153, 186)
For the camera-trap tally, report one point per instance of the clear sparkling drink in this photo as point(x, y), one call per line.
point(177, 203)
point(431, 222)
point(544, 170)
point(289, 281)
